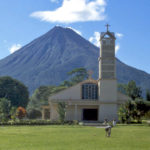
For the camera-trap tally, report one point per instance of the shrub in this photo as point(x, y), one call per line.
point(75, 122)
point(125, 112)
point(5, 106)
point(61, 111)
point(13, 113)
point(147, 115)
point(133, 110)
point(21, 112)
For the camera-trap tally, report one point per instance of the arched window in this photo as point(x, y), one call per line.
point(89, 91)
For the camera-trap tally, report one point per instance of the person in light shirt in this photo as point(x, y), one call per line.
point(108, 130)
point(114, 122)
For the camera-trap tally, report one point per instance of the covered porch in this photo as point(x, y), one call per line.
point(80, 110)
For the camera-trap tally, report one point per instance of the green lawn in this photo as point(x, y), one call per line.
point(74, 138)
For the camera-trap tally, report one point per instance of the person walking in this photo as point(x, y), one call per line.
point(114, 122)
point(108, 130)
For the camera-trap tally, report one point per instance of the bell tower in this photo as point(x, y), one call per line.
point(107, 76)
point(107, 65)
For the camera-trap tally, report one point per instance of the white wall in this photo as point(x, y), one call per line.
point(73, 92)
point(108, 111)
point(108, 90)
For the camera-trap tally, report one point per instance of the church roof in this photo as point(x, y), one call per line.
point(110, 34)
point(90, 80)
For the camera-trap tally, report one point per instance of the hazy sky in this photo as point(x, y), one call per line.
point(24, 20)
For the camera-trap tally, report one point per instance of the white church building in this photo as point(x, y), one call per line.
point(92, 100)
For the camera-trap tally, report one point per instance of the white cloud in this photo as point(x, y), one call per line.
point(77, 31)
point(54, 1)
point(117, 47)
point(119, 35)
point(74, 11)
point(14, 48)
point(95, 39)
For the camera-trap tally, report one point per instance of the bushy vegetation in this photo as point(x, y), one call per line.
point(61, 111)
point(13, 96)
point(29, 122)
point(133, 111)
point(76, 75)
point(130, 89)
point(40, 98)
point(20, 113)
point(136, 108)
point(5, 107)
point(148, 95)
point(14, 91)
point(8, 112)
point(26, 121)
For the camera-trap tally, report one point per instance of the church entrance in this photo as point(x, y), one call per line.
point(90, 114)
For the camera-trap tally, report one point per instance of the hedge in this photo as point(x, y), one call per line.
point(36, 122)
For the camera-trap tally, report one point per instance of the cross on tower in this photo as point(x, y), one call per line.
point(107, 26)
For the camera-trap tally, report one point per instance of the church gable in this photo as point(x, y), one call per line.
point(73, 92)
point(87, 89)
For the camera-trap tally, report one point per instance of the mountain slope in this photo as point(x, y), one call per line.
point(47, 59)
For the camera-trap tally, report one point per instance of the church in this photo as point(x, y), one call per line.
point(92, 100)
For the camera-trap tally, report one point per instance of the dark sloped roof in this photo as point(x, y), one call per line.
point(111, 34)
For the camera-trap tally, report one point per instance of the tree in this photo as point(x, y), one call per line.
point(133, 91)
point(141, 108)
point(148, 95)
point(125, 112)
point(122, 88)
point(21, 112)
point(67, 83)
point(41, 94)
point(133, 110)
point(5, 106)
point(147, 115)
point(78, 75)
point(40, 97)
point(61, 111)
point(13, 90)
point(13, 113)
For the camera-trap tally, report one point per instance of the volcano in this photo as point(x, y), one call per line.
point(47, 59)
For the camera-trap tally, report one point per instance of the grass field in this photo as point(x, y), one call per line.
point(74, 138)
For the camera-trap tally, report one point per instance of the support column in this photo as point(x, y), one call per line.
point(75, 112)
point(51, 111)
point(43, 114)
